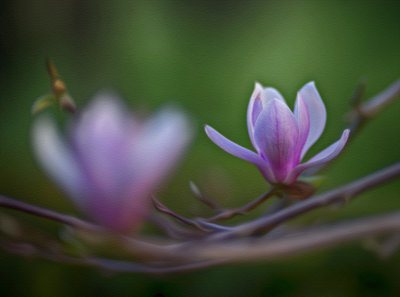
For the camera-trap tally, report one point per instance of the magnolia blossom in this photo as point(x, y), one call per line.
point(110, 161)
point(281, 137)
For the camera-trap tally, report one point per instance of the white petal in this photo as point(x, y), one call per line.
point(254, 109)
point(271, 93)
point(303, 122)
point(56, 158)
point(317, 114)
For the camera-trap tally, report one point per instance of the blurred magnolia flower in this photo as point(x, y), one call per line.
point(110, 161)
point(281, 137)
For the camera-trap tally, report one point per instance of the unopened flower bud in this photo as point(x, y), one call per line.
point(58, 87)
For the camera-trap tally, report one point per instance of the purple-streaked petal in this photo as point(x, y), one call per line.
point(57, 159)
point(321, 158)
point(101, 139)
point(276, 134)
point(303, 122)
point(317, 114)
point(240, 152)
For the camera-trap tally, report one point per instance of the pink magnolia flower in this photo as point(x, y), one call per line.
point(281, 137)
point(110, 161)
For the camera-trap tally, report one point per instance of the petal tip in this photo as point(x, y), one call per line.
point(257, 84)
point(346, 134)
point(208, 129)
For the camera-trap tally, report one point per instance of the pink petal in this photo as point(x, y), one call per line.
point(317, 114)
point(321, 158)
point(276, 134)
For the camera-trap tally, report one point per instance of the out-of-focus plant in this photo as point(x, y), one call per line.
point(110, 162)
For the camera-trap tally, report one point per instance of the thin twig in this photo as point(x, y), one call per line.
point(201, 224)
point(229, 213)
point(46, 213)
point(194, 223)
point(162, 208)
point(198, 194)
point(358, 94)
point(171, 228)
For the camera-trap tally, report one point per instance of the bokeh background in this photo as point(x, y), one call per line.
point(205, 56)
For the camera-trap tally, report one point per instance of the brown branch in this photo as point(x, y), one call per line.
point(204, 254)
point(362, 112)
point(254, 227)
point(240, 250)
point(183, 255)
point(346, 192)
point(138, 247)
point(111, 265)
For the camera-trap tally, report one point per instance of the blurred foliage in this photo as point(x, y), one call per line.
point(205, 56)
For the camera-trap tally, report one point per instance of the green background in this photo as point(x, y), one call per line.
point(205, 56)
